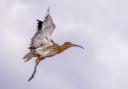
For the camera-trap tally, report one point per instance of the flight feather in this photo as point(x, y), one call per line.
point(42, 37)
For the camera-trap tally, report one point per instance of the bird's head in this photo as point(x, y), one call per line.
point(69, 44)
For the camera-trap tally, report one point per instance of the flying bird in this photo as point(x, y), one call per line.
point(42, 46)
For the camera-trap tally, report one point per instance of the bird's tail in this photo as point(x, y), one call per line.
point(28, 56)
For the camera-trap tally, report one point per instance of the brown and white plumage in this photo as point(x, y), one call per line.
point(43, 33)
point(41, 40)
point(42, 37)
point(42, 45)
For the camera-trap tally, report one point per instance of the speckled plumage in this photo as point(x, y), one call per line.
point(42, 46)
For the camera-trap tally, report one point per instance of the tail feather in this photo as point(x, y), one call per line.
point(28, 56)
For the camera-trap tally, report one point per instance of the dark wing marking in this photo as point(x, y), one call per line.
point(42, 36)
point(39, 24)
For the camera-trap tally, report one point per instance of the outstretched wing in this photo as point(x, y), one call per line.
point(42, 36)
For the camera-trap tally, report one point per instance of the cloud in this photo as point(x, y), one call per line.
point(99, 26)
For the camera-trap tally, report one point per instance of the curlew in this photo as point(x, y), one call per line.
point(42, 46)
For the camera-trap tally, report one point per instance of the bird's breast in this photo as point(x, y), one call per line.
point(48, 53)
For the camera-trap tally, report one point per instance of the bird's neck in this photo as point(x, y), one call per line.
point(64, 47)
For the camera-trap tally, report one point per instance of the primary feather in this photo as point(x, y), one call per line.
point(42, 37)
point(42, 46)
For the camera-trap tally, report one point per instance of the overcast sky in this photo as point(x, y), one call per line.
point(98, 25)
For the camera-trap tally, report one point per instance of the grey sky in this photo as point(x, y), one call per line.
point(98, 25)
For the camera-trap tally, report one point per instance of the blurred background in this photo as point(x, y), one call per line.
point(98, 25)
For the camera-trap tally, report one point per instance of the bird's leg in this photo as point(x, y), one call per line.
point(40, 56)
point(37, 61)
point(32, 76)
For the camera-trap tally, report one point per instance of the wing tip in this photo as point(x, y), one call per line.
point(48, 10)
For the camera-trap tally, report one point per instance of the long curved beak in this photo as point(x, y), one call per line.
point(78, 46)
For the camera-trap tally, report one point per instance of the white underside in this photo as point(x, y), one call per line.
point(43, 52)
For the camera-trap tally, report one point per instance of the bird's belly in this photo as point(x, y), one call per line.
point(45, 53)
